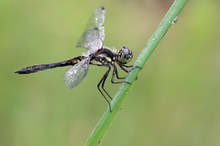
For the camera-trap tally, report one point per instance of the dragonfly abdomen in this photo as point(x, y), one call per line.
point(41, 67)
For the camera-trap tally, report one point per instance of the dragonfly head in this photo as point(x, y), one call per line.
point(124, 55)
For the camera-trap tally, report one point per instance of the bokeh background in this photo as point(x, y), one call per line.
point(175, 101)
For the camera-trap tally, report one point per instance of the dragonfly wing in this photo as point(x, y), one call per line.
point(76, 73)
point(93, 36)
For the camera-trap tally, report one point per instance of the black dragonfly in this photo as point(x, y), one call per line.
point(96, 54)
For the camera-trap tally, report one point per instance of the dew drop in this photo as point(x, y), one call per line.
point(153, 39)
point(174, 20)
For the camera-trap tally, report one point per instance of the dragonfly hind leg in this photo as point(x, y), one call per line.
point(102, 84)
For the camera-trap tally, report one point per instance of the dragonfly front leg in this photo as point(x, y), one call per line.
point(126, 68)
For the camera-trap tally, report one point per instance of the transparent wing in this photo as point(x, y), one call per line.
point(76, 73)
point(93, 36)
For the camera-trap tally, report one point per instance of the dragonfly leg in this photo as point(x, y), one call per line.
point(115, 73)
point(125, 67)
point(102, 84)
point(128, 66)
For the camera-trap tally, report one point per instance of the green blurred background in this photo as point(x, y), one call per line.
point(175, 100)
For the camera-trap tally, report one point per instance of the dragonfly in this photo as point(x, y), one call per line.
point(96, 54)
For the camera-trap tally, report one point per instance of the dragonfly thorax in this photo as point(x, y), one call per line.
point(124, 55)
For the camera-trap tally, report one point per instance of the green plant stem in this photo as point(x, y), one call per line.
point(107, 118)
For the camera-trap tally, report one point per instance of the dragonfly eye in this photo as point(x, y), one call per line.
point(124, 55)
